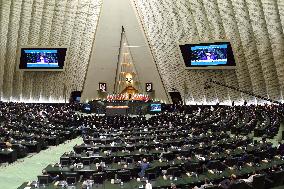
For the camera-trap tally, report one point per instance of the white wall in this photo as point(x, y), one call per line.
point(103, 64)
point(255, 28)
point(70, 23)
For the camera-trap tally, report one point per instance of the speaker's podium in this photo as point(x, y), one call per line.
point(116, 110)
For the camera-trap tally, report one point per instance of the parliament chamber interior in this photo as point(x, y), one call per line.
point(141, 94)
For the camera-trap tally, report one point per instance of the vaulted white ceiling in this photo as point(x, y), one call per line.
point(103, 66)
point(70, 23)
point(255, 28)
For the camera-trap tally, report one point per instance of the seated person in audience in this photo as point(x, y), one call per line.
point(8, 144)
point(44, 172)
point(281, 148)
point(203, 186)
point(173, 186)
point(88, 182)
point(225, 184)
point(250, 178)
point(143, 165)
point(200, 157)
point(271, 171)
point(275, 168)
point(148, 185)
point(84, 186)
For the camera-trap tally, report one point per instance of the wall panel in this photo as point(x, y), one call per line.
point(246, 23)
point(264, 50)
point(249, 60)
point(275, 34)
point(70, 23)
point(11, 55)
point(23, 37)
point(255, 28)
point(5, 17)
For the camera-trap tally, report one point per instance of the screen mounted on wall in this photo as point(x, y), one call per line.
point(216, 55)
point(42, 59)
point(155, 107)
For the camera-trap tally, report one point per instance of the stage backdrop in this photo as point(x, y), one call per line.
point(104, 59)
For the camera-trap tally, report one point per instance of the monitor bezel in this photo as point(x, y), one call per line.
point(155, 104)
point(41, 69)
point(207, 67)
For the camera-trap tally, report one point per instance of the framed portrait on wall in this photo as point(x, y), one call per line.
point(149, 87)
point(103, 87)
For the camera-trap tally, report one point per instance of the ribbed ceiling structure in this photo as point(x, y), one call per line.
point(255, 28)
point(69, 23)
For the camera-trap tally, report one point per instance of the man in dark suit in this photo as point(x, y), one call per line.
point(144, 165)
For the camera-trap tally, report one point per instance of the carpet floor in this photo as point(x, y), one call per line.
point(27, 169)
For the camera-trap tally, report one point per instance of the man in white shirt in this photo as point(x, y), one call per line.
point(250, 179)
point(148, 185)
point(206, 183)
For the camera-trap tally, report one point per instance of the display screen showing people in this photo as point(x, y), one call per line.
point(41, 58)
point(155, 107)
point(208, 55)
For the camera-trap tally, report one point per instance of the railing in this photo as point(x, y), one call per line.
point(211, 81)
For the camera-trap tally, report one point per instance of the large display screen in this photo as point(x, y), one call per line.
point(208, 55)
point(155, 107)
point(42, 58)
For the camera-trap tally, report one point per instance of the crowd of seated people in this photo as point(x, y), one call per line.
point(263, 120)
point(29, 128)
point(188, 148)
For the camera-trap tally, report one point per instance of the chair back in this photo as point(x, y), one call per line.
point(239, 185)
point(278, 178)
point(99, 178)
point(124, 175)
point(258, 182)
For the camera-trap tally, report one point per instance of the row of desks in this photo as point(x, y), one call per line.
point(22, 148)
point(184, 180)
point(150, 144)
point(154, 153)
point(132, 167)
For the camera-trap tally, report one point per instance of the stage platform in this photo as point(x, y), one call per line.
point(116, 110)
point(120, 107)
